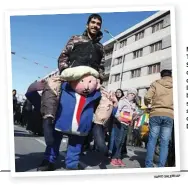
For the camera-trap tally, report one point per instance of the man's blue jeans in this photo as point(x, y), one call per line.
point(160, 126)
point(112, 140)
point(99, 139)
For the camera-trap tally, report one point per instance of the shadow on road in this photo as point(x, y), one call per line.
point(30, 162)
point(97, 159)
point(140, 157)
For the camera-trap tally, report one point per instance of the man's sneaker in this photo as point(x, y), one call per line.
point(114, 162)
point(121, 162)
point(46, 166)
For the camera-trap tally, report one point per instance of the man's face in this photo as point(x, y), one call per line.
point(14, 93)
point(94, 26)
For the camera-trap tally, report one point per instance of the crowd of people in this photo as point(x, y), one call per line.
point(128, 123)
point(27, 116)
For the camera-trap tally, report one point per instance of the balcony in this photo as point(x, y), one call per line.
point(109, 56)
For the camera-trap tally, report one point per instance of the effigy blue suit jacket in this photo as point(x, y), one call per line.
point(64, 116)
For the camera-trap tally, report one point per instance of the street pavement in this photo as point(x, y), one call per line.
point(29, 151)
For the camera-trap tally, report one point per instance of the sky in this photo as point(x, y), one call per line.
point(41, 38)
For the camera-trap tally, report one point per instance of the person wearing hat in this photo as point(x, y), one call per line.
point(124, 118)
point(160, 99)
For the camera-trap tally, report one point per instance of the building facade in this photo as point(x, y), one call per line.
point(53, 73)
point(134, 57)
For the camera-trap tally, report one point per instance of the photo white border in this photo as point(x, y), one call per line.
point(92, 10)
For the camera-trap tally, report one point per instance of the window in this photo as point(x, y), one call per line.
point(107, 53)
point(135, 73)
point(139, 35)
point(107, 68)
point(157, 27)
point(123, 43)
point(115, 78)
point(118, 61)
point(105, 83)
point(156, 47)
point(138, 53)
point(155, 68)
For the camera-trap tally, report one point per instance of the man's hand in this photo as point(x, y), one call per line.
point(113, 99)
point(135, 116)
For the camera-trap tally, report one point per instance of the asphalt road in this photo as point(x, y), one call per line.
point(29, 154)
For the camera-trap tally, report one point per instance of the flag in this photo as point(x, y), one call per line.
point(143, 119)
point(125, 117)
point(13, 53)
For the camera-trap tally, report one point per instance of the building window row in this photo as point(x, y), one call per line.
point(156, 27)
point(151, 69)
point(155, 68)
point(139, 35)
point(115, 78)
point(51, 75)
point(136, 73)
point(156, 47)
point(105, 83)
point(139, 53)
point(118, 61)
point(123, 43)
point(107, 53)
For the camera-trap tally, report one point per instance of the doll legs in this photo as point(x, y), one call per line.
point(74, 151)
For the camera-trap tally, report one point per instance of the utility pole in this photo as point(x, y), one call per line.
point(117, 41)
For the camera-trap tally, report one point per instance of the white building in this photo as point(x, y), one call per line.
point(134, 61)
point(53, 73)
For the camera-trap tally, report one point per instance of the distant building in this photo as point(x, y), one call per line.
point(135, 60)
point(53, 73)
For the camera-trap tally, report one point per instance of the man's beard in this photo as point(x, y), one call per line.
point(93, 35)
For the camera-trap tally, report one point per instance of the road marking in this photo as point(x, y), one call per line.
point(64, 155)
point(64, 140)
point(41, 141)
point(130, 152)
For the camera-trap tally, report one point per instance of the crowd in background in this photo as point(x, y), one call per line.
point(27, 116)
